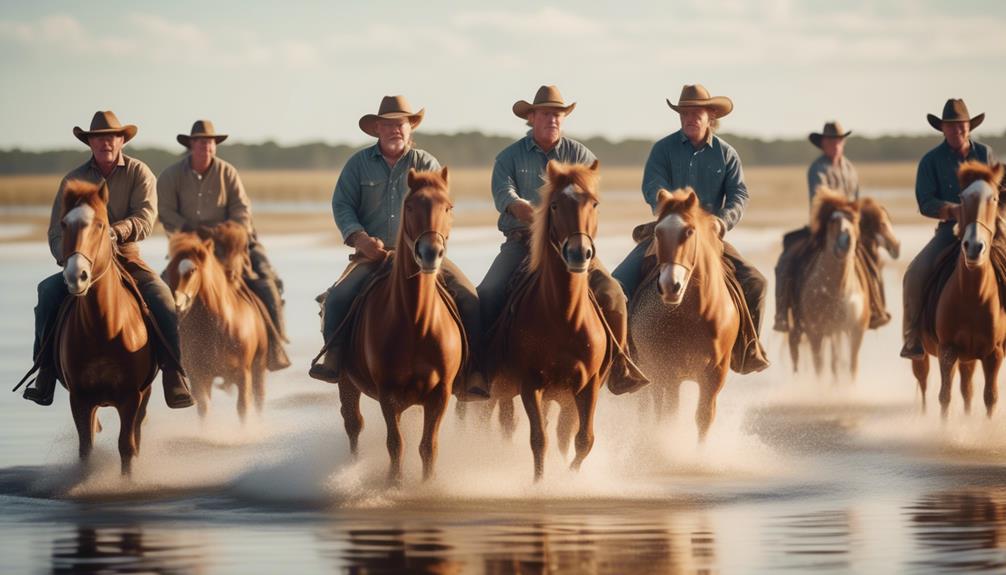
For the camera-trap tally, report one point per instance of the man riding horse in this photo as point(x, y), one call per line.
point(200, 191)
point(518, 174)
point(132, 211)
point(367, 206)
point(696, 157)
point(938, 193)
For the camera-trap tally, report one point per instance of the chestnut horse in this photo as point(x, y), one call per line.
point(876, 230)
point(833, 296)
point(556, 345)
point(970, 324)
point(406, 346)
point(222, 332)
point(105, 355)
point(683, 322)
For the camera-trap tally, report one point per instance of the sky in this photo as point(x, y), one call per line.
point(305, 71)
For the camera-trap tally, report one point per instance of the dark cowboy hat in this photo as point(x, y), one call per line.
point(105, 123)
point(545, 97)
point(201, 129)
point(955, 110)
point(696, 96)
point(831, 130)
point(392, 107)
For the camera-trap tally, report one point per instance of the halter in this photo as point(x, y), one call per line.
point(97, 277)
point(565, 243)
point(412, 245)
point(694, 258)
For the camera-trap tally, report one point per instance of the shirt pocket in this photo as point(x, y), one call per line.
point(372, 197)
point(528, 182)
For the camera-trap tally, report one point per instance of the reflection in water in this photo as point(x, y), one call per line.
point(819, 541)
point(394, 550)
point(128, 549)
point(960, 530)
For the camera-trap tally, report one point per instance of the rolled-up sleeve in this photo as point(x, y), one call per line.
point(142, 208)
point(926, 183)
point(346, 201)
point(504, 184)
point(735, 191)
point(656, 174)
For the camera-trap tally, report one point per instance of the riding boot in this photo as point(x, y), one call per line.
point(328, 369)
point(781, 321)
point(625, 376)
point(176, 388)
point(913, 345)
point(44, 389)
point(276, 357)
point(268, 291)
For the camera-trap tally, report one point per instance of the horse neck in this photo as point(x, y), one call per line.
point(979, 282)
point(105, 306)
point(708, 279)
point(561, 289)
point(216, 294)
point(839, 273)
point(413, 293)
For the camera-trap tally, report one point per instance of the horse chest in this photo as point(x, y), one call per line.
point(676, 341)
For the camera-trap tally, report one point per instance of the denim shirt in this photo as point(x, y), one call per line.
point(713, 171)
point(936, 182)
point(369, 194)
point(842, 178)
point(519, 173)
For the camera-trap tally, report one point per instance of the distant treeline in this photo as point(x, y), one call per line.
point(473, 149)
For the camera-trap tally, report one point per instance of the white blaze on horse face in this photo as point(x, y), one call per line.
point(83, 214)
point(185, 266)
point(570, 191)
point(672, 274)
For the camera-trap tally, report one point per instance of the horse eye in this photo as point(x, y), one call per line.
point(596, 203)
point(689, 232)
point(554, 206)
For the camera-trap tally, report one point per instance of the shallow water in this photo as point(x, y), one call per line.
point(798, 474)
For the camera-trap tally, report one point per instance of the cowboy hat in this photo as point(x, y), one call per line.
point(201, 129)
point(696, 96)
point(545, 97)
point(105, 123)
point(392, 107)
point(831, 130)
point(955, 110)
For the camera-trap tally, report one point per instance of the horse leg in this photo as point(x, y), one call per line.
point(433, 414)
point(83, 418)
point(567, 427)
point(201, 393)
point(816, 353)
point(352, 419)
point(709, 388)
point(532, 405)
point(855, 345)
point(461, 410)
point(258, 387)
point(948, 369)
point(392, 418)
point(508, 418)
point(836, 355)
point(673, 401)
point(967, 390)
point(244, 393)
point(991, 365)
point(586, 402)
point(141, 414)
point(127, 432)
point(920, 367)
point(794, 348)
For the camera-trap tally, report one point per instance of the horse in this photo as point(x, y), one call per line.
point(833, 296)
point(970, 324)
point(406, 346)
point(556, 345)
point(105, 355)
point(222, 332)
point(683, 321)
point(876, 230)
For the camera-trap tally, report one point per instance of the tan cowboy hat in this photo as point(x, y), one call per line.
point(201, 129)
point(831, 130)
point(105, 123)
point(545, 97)
point(955, 110)
point(696, 96)
point(392, 107)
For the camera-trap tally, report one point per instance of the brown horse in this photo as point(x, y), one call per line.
point(406, 347)
point(222, 332)
point(833, 296)
point(556, 345)
point(104, 353)
point(970, 324)
point(876, 230)
point(683, 322)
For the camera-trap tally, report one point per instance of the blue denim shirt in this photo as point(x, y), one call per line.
point(368, 195)
point(713, 171)
point(936, 182)
point(519, 172)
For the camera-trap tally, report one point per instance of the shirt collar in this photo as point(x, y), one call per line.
point(375, 152)
point(709, 138)
point(531, 145)
point(120, 163)
point(953, 153)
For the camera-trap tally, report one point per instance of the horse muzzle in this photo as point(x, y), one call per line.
point(974, 252)
point(77, 275)
point(429, 253)
point(183, 302)
point(577, 251)
point(672, 283)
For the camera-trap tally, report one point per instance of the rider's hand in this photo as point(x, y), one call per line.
point(369, 247)
point(950, 212)
point(721, 228)
point(522, 210)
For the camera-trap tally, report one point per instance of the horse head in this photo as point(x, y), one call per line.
point(876, 228)
point(230, 245)
point(87, 242)
point(566, 217)
point(682, 226)
point(834, 222)
point(427, 215)
point(978, 220)
point(189, 256)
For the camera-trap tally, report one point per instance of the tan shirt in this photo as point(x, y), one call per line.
point(187, 197)
point(132, 202)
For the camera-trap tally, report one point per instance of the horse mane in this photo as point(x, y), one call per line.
point(231, 243)
point(973, 170)
point(212, 288)
point(826, 203)
point(77, 192)
point(558, 177)
point(871, 217)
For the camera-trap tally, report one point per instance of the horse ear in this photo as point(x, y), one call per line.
point(552, 168)
point(411, 178)
point(663, 196)
point(443, 174)
point(997, 174)
point(208, 244)
point(691, 199)
point(595, 166)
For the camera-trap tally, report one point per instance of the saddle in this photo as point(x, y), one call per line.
point(747, 346)
point(347, 327)
point(946, 262)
